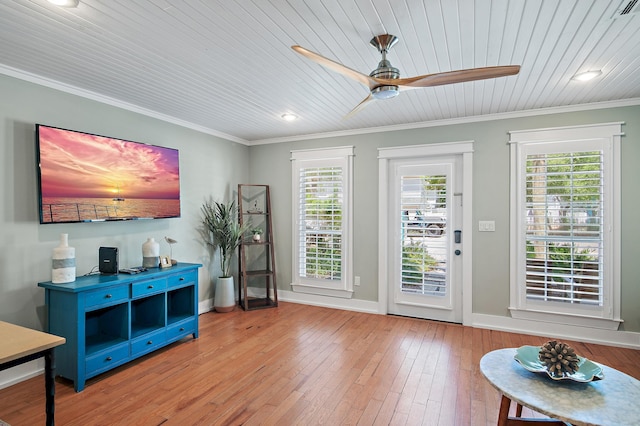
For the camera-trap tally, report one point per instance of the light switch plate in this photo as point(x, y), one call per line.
point(487, 226)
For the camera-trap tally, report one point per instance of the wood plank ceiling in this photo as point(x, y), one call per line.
point(227, 67)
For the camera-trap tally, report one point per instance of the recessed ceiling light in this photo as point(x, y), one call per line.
point(289, 117)
point(586, 76)
point(65, 3)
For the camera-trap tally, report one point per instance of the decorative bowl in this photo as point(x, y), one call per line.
point(588, 371)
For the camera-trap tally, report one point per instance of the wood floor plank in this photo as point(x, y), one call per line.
point(302, 365)
point(424, 389)
point(370, 412)
point(387, 409)
point(341, 411)
point(416, 414)
point(432, 414)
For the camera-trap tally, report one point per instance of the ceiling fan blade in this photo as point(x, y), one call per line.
point(459, 76)
point(359, 107)
point(334, 66)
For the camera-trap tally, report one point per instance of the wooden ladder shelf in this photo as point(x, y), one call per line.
point(257, 287)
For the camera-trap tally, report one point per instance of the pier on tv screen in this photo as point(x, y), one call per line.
point(89, 178)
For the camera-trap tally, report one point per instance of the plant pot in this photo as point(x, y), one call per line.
point(256, 237)
point(224, 299)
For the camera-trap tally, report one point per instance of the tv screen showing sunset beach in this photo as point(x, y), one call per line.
point(89, 178)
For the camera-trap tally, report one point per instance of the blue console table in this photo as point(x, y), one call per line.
point(108, 320)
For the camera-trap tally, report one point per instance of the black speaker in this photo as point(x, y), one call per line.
point(108, 258)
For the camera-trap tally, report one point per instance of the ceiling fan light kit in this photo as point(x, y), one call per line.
point(384, 82)
point(385, 92)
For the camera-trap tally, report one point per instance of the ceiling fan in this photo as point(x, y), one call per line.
point(384, 82)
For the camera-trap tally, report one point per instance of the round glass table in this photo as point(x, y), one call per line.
point(611, 401)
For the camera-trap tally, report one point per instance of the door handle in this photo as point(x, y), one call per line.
point(457, 236)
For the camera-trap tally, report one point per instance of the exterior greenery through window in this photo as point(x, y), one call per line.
point(423, 206)
point(565, 233)
point(416, 264)
point(322, 242)
point(564, 216)
point(321, 215)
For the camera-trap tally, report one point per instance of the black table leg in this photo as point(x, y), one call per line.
point(50, 385)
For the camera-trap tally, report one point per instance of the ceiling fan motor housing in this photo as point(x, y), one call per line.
point(385, 70)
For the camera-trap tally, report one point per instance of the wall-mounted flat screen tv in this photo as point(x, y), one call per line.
point(89, 178)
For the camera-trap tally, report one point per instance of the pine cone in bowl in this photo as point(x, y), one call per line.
point(559, 358)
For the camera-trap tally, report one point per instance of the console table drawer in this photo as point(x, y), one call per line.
point(106, 296)
point(106, 360)
point(148, 287)
point(181, 329)
point(182, 279)
point(147, 343)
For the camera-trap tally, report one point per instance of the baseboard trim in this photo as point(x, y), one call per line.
point(625, 339)
point(329, 302)
point(205, 306)
point(21, 373)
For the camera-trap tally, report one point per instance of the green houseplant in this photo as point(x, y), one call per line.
point(223, 233)
point(257, 232)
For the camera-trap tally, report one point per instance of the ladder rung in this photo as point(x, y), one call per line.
point(258, 273)
point(261, 303)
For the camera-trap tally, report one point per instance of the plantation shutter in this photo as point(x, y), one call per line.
point(564, 235)
point(320, 201)
point(565, 222)
point(423, 209)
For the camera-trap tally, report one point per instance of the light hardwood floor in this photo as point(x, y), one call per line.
point(298, 364)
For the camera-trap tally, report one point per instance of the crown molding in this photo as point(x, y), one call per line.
point(453, 121)
point(63, 87)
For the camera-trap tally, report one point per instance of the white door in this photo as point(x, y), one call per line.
point(424, 237)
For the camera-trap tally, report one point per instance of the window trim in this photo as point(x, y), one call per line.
point(339, 156)
point(609, 316)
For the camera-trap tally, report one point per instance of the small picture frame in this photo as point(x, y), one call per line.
point(165, 262)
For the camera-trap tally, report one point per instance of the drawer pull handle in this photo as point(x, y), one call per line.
point(108, 358)
point(181, 328)
point(181, 278)
point(150, 342)
point(108, 296)
point(149, 286)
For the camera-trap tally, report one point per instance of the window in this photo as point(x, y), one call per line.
point(322, 184)
point(424, 241)
point(565, 188)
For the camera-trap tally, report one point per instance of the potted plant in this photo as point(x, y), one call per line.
point(224, 233)
point(257, 232)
